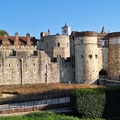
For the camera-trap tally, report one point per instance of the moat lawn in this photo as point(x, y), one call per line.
point(44, 116)
point(40, 88)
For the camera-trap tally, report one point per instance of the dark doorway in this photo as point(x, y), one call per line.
point(103, 72)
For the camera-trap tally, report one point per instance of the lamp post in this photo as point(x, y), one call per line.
point(21, 71)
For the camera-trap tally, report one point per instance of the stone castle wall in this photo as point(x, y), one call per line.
point(66, 71)
point(114, 56)
point(28, 67)
point(103, 59)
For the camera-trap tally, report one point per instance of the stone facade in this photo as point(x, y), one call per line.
point(79, 58)
point(95, 54)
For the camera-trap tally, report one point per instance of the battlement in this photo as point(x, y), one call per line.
point(86, 33)
point(22, 47)
point(114, 34)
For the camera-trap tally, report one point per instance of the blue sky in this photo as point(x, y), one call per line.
point(35, 16)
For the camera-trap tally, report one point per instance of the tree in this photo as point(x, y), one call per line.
point(2, 32)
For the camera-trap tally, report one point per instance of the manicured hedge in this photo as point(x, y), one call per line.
point(112, 106)
point(96, 103)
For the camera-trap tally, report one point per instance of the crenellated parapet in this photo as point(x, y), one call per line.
point(21, 47)
point(114, 34)
point(86, 33)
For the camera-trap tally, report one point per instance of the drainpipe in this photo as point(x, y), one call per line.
point(21, 71)
point(46, 74)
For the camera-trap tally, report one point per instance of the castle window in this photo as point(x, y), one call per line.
point(90, 56)
point(9, 64)
point(73, 37)
point(47, 45)
point(58, 55)
point(81, 56)
point(58, 44)
point(27, 65)
point(17, 65)
point(104, 43)
point(0, 65)
point(96, 56)
point(81, 42)
point(33, 64)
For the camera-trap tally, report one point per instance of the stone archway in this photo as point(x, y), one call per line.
point(103, 72)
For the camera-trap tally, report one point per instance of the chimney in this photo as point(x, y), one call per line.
point(5, 40)
point(16, 42)
point(28, 39)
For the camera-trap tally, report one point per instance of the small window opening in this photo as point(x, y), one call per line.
point(58, 44)
point(90, 56)
point(96, 56)
point(81, 56)
point(81, 42)
point(59, 56)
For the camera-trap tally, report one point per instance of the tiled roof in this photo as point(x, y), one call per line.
point(22, 40)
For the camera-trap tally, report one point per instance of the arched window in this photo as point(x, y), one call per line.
point(58, 44)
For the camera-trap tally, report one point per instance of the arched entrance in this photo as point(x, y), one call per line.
point(103, 72)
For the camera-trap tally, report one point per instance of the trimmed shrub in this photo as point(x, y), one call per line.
point(89, 103)
point(96, 103)
point(112, 106)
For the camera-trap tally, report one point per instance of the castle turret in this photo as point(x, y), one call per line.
point(114, 54)
point(86, 57)
point(66, 30)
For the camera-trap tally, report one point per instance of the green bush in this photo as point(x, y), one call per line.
point(96, 103)
point(89, 103)
point(112, 106)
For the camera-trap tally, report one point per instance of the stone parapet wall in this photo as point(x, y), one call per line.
point(22, 47)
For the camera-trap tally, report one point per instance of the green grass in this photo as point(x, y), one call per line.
point(44, 116)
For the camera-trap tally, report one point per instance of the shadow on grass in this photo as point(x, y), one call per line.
point(55, 93)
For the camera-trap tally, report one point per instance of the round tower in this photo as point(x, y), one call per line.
point(114, 54)
point(57, 46)
point(86, 57)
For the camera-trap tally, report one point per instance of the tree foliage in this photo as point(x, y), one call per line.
point(2, 32)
